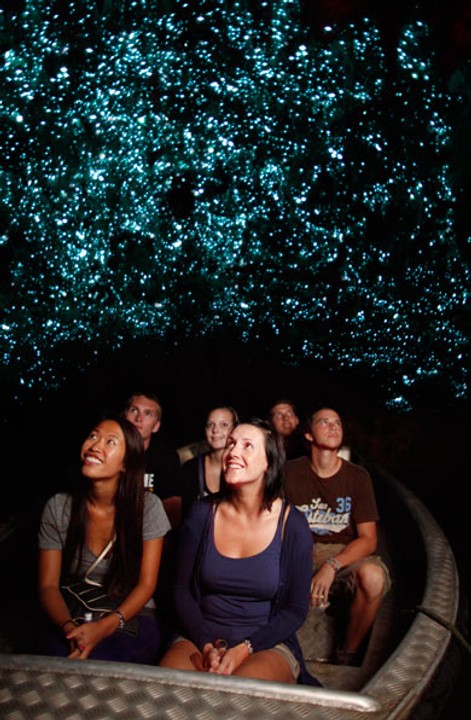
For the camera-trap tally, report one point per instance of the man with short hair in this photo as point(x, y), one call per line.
point(283, 418)
point(163, 469)
point(164, 477)
point(338, 500)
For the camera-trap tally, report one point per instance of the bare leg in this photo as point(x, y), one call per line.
point(182, 655)
point(365, 605)
point(263, 665)
point(266, 665)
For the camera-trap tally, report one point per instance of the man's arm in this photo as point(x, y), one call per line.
point(362, 546)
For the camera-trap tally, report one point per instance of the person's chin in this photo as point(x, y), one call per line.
point(330, 446)
point(233, 478)
point(90, 471)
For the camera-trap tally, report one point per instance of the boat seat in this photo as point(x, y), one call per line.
point(321, 634)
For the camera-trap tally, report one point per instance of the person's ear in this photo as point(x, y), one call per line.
point(309, 437)
point(156, 426)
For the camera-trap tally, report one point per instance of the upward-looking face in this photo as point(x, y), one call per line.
point(144, 413)
point(284, 419)
point(218, 426)
point(103, 452)
point(326, 430)
point(245, 458)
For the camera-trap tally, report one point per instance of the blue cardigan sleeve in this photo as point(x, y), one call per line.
point(193, 542)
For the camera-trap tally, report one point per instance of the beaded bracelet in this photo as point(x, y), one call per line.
point(248, 644)
point(334, 564)
point(122, 621)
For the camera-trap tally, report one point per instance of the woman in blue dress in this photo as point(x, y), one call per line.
point(244, 571)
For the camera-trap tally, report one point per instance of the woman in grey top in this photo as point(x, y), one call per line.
point(110, 531)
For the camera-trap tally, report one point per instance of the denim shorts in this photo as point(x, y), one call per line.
point(284, 650)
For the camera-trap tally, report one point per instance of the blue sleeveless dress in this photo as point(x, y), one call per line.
point(237, 593)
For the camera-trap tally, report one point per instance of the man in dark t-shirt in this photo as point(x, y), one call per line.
point(338, 501)
point(164, 478)
point(163, 470)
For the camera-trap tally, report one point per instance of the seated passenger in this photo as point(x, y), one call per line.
point(163, 471)
point(110, 531)
point(244, 569)
point(338, 500)
point(283, 418)
point(202, 474)
point(163, 476)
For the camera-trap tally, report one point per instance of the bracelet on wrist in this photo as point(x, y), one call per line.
point(248, 645)
point(334, 564)
point(122, 621)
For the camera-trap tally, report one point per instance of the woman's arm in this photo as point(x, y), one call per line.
point(145, 588)
point(193, 534)
point(88, 635)
point(50, 596)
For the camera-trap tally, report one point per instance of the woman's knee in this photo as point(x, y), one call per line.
point(178, 656)
point(266, 665)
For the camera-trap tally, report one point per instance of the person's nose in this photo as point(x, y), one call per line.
point(234, 451)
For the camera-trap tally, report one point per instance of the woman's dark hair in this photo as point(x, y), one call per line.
point(275, 451)
point(125, 562)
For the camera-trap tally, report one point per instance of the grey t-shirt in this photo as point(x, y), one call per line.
point(55, 522)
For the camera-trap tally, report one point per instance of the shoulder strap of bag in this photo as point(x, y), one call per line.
point(96, 562)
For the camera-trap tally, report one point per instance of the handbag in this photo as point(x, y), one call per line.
point(88, 595)
point(84, 597)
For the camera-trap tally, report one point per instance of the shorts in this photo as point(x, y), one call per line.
point(345, 579)
point(288, 655)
